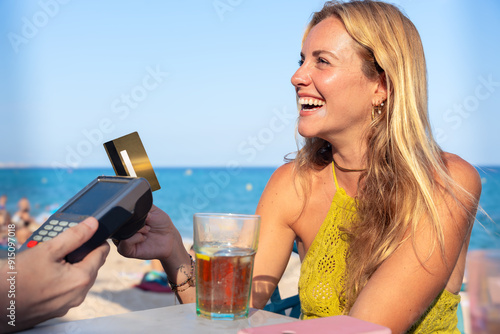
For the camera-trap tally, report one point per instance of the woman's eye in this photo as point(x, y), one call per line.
point(322, 61)
point(301, 62)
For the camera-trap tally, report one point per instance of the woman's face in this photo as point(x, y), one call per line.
point(335, 97)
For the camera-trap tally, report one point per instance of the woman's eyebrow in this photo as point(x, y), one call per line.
point(316, 53)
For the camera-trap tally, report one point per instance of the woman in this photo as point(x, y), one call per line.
point(398, 210)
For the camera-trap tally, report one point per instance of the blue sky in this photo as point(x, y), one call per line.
point(208, 82)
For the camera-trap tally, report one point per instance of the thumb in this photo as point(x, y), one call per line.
point(72, 238)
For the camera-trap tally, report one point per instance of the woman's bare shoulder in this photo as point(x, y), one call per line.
point(285, 171)
point(463, 173)
point(287, 178)
point(283, 196)
point(283, 181)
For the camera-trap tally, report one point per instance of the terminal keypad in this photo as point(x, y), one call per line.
point(49, 231)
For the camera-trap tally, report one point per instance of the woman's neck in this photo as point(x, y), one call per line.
point(349, 164)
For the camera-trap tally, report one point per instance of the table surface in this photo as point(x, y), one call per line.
point(169, 319)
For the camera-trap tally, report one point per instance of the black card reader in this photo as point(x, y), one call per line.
point(119, 203)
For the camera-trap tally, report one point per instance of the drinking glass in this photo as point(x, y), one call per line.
point(225, 246)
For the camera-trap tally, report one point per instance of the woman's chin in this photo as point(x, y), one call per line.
point(307, 132)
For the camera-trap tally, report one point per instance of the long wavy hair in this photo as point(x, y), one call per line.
point(404, 163)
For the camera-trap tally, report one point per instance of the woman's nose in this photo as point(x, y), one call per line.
point(301, 77)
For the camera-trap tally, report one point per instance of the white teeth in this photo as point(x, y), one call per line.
point(311, 101)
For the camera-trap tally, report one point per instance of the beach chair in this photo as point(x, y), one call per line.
point(281, 306)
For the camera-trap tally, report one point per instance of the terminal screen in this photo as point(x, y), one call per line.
point(94, 198)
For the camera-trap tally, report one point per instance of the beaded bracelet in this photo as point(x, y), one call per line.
point(190, 280)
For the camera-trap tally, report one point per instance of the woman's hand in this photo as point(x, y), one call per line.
point(156, 240)
point(159, 239)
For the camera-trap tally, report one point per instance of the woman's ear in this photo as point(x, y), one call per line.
point(380, 93)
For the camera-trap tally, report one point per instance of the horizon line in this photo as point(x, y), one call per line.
point(41, 166)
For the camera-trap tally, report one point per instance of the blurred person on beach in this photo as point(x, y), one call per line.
point(3, 203)
point(380, 214)
point(25, 223)
point(3, 208)
point(5, 219)
point(44, 285)
point(4, 223)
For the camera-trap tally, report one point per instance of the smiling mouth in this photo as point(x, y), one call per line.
point(310, 104)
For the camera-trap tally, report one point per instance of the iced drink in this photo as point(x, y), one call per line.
point(225, 245)
point(224, 277)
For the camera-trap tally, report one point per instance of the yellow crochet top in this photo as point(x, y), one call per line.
point(323, 269)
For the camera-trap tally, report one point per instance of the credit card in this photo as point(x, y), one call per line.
point(128, 157)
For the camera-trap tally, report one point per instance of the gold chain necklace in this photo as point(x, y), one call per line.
point(347, 169)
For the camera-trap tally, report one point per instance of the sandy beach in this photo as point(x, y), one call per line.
point(114, 291)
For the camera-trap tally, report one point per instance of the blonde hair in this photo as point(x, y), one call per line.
point(404, 163)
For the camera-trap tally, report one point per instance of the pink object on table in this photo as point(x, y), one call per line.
point(341, 324)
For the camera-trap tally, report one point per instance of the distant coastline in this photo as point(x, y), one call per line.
point(28, 166)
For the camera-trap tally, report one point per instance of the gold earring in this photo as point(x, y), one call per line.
point(377, 109)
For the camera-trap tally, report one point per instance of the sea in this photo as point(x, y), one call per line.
point(185, 191)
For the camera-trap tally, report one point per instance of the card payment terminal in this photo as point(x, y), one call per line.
point(119, 203)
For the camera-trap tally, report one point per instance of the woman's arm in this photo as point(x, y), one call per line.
point(401, 289)
point(278, 207)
